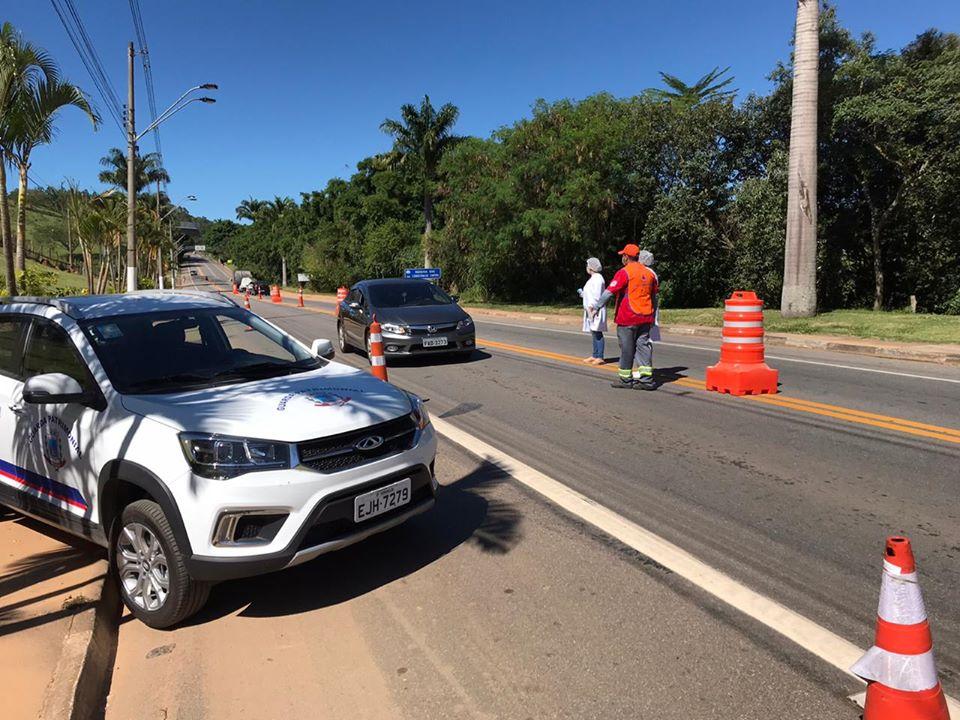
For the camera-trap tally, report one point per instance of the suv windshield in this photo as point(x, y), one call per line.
point(165, 352)
point(408, 294)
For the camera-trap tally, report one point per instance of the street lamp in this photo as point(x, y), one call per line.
point(132, 138)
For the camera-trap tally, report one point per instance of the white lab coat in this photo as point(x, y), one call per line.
point(591, 296)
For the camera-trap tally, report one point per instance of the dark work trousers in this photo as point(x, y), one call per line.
point(636, 352)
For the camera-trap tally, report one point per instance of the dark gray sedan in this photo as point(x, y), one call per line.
point(416, 318)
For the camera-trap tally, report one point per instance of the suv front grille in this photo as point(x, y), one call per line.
point(339, 452)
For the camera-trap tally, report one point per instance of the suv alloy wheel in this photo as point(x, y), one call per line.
point(150, 569)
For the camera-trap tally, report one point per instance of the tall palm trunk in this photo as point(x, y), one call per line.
point(799, 297)
point(428, 226)
point(9, 274)
point(21, 259)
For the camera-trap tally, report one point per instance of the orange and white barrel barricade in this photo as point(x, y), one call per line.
point(300, 297)
point(378, 363)
point(742, 370)
point(275, 294)
point(236, 290)
point(900, 670)
point(342, 293)
point(246, 299)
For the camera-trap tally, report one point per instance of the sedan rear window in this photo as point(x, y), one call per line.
point(168, 352)
point(407, 294)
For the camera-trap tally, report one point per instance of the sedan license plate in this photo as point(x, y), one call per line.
point(434, 342)
point(376, 502)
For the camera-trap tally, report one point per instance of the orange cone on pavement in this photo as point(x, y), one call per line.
point(741, 370)
point(275, 294)
point(300, 297)
point(900, 671)
point(236, 291)
point(246, 300)
point(378, 363)
point(259, 293)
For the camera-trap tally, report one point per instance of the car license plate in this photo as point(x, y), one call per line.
point(435, 342)
point(376, 502)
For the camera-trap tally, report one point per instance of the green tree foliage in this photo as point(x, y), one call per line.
point(686, 172)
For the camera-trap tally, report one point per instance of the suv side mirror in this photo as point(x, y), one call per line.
point(455, 298)
point(322, 348)
point(54, 388)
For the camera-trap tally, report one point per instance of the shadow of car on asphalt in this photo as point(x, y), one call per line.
point(438, 360)
point(465, 512)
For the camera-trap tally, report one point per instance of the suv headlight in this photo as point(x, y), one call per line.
point(465, 324)
point(394, 329)
point(218, 457)
point(418, 411)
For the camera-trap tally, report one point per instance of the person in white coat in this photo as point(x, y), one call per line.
point(594, 323)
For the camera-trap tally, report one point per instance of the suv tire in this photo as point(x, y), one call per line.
point(145, 557)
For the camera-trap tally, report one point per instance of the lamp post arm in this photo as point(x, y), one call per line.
point(166, 115)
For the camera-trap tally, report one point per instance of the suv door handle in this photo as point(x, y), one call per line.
point(17, 409)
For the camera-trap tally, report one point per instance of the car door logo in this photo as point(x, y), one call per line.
point(53, 448)
point(370, 442)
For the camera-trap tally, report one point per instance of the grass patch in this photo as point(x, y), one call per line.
point(72, 281)
point(893, 326)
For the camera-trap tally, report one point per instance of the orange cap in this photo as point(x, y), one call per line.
point(898, 552)
point(630, 249)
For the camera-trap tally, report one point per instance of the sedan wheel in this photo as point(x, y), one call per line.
point(342, 338)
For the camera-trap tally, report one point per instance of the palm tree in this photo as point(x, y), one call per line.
point(799, 298)
point(32, 125)
point(423, 135)
point(250, 209)
point(147, 168)
point(709, 87)
point(21, 64)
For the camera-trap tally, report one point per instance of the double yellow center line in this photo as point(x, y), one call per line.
point(837, 412)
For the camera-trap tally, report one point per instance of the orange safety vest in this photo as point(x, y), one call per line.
point(640, 288)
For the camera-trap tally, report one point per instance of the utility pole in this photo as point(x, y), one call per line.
point(131, 180)
point(283, 279)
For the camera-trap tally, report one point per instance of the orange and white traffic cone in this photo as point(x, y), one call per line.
point(275, 294)
point(900, 671)
point(742, 370)
point(378, 363)
point(235, 290)
point(246, 300)
point(259, 294)
point(300, 297)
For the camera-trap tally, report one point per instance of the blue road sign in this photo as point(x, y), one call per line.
point(422, 273)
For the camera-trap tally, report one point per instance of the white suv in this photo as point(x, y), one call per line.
point(197, 441)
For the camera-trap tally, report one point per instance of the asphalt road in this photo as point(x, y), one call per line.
point(792, 496)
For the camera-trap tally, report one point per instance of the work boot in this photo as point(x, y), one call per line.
point(647, 383)
point(623, 384)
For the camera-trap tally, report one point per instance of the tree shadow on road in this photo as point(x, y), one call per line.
point(465, 512)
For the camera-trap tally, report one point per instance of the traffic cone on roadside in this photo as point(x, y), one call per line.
point(275, 296)
point(378, 363)
point(235, 290)
point(246, 300)
point(300, 297)
point(900, 671)
point(259, 294)
point(742, 370)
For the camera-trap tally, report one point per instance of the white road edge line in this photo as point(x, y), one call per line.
point(717, 350)
point(813, 638)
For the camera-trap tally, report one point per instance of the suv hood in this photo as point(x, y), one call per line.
point(327, 401)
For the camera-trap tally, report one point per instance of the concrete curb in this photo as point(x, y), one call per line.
point(81, 680)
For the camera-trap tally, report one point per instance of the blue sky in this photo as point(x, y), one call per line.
point(304, 84)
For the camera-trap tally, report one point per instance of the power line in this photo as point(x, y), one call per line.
point(77, 33)
point(147, 71)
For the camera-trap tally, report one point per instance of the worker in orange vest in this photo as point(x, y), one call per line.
point(636, 287)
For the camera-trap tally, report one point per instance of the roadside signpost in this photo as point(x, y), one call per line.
point(422, 273)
